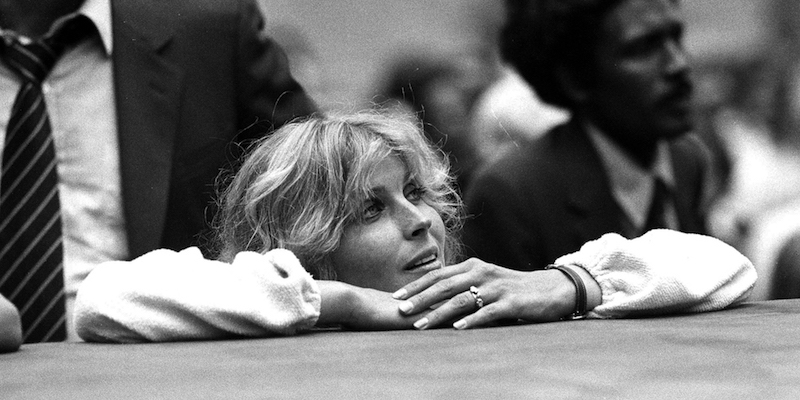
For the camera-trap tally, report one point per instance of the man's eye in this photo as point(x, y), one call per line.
point(641, 48)
point(645, 45)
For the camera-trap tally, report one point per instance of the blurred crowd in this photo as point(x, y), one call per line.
point(750, 112)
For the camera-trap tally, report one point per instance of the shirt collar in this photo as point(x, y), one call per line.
point(99, 11)
point(632, 185)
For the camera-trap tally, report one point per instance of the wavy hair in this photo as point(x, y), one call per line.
point(301, 186)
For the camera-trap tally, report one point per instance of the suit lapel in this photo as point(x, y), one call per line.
point(590, 201)
point(147, 96)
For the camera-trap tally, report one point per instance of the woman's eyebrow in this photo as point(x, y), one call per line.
point(410, 177)
point(377, 190)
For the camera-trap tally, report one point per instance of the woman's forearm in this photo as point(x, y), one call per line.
point(336, 302)
point(360, 308)
point(169, 296)
point(664, 271)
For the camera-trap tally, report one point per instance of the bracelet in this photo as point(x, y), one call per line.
point(580, 288)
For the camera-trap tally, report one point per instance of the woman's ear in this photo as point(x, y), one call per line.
point(574, 87)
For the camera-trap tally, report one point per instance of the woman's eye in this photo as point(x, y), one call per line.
point(415, 193)
point(372, 209)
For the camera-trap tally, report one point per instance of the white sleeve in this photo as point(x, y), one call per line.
point(664, 272)
point(167, 296)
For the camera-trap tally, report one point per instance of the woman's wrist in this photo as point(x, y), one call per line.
point(336, 305)
point(594, 295)
point(584, 294)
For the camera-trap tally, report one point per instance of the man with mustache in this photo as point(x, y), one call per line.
point(624, 162)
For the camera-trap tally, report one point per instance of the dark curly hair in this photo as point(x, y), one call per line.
point(541, 36)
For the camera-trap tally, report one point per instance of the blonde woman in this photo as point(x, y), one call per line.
point(330, 214)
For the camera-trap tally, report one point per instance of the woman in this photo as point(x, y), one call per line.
point(367, 207)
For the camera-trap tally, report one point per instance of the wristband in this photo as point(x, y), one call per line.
point(580, 288)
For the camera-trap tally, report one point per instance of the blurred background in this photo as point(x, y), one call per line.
point(344, 44)
point(441, 57)
point(348, 43)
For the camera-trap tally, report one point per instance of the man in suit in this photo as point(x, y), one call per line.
point(146, 110)
point(623, 163)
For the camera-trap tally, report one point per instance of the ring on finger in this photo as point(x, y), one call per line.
point(476, 294)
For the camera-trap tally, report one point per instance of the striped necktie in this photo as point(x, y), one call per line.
point(31, 254)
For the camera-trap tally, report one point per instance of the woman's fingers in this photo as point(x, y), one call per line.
point(484, 295)
point(459, 305)
point(440, 285)
point(428, 280)
point(484, 316)
point(437, 293)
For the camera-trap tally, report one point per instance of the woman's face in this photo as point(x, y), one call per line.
point(399, 237)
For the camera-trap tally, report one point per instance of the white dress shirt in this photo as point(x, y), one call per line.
point(631, 184)
point(79, 93)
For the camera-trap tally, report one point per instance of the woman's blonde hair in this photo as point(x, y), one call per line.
point(298, 188)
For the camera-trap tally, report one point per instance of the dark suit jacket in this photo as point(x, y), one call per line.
point(552, 195)
point(189, 76)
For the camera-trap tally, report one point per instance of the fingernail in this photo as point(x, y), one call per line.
point(406, 306)
point(421, 324)
point(400, 294)
point(460, 324)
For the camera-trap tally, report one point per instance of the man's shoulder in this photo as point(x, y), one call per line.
point(200, 5)
point(142, 11)
point(560, 146)
point(552, 164)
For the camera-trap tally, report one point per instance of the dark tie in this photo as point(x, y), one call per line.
point(659, 205)
point(31, 256)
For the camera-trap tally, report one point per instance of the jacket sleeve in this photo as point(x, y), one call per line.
point(664, 272)
point(171, 296)
point(265, 86)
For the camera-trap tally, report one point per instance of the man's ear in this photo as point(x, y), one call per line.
point(574, 87)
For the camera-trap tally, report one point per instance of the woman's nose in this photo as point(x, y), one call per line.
point(415, 222)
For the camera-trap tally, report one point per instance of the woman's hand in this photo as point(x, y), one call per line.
point(360, 308)
point(507, 294)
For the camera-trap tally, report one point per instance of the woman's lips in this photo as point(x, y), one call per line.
point(427, 264)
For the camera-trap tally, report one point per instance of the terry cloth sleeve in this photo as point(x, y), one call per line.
point(171, 296)
point(664, 272)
